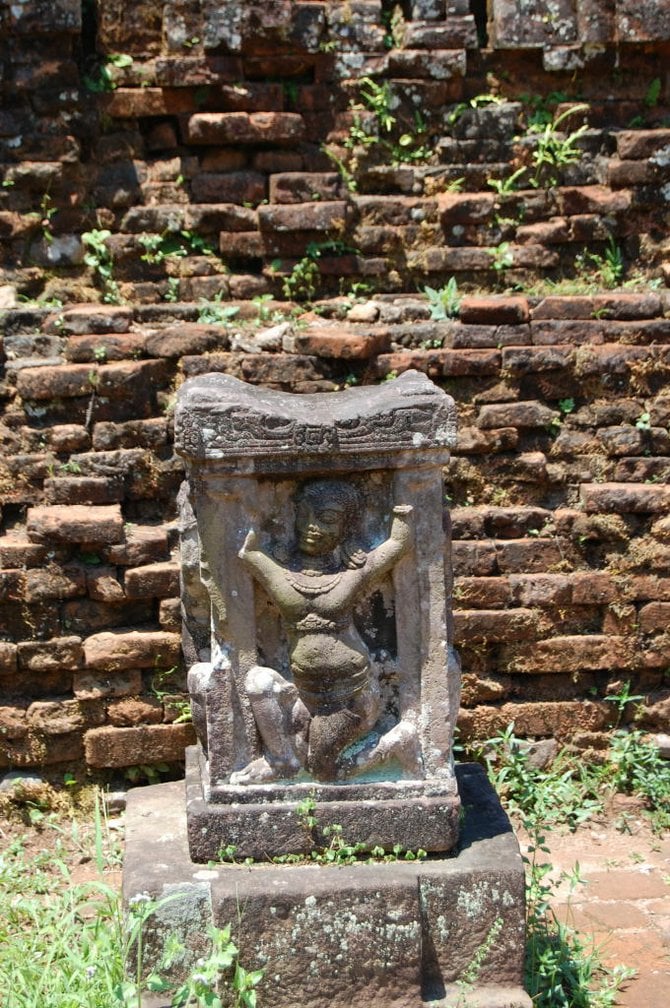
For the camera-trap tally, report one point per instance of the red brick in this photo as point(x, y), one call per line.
point(340, 341)
point(624, 498)
point(554, 231)
point(228, 187)
point(13, 723)
point(76, 524)
point(594, 588)
point(54, 583)
point(528, 555)
point(73, 380)
point(482, 592)
point(103, 585)
point(475, 558)
point(593, 199)
point(60, 653)
point(142, 544)
point(61, 717)
point(465, 208)
point(655, 616)
point(646, 587)
point(493, 625)
point(132, 434)
point(540, 589)
point(159, 580)
point(99, 685)
point(132, 103)
point(185, 338)
point(110, 347)
point(82, 490)
point(619, 306)
point(527, 414)
point(221, 128)
point(12, 585)
point(68, 438)
point(494, 310)
point(472, 441)
point(441, 363)
point(629, 173)
point(559, 720)
point(87, 319)
point(7, 658)
point(115, 650)
point(638, 144)
point(573, 653)
point(118, 747)
point(534, 359)
point(131, 711)
point(169, 614)
point(301, 187)
point(320, 216)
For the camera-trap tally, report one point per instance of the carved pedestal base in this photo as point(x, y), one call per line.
point(262, 821)
point(396, 935)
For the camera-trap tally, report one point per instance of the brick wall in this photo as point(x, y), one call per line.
point(230, 153)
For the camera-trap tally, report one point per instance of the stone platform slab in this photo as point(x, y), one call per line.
point(262, 821)
point(391, 935)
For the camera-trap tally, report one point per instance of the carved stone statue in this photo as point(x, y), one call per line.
point(316, 588)
point(333, 701)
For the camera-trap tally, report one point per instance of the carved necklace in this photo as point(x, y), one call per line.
point(305, 583)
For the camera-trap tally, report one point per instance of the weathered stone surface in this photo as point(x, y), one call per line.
point(141, 544)
point(342, 916)
point(152, 581)
point(624, 497)
point(45, 656)
point(102, 685)
point(76, 524)
point(118, 747)
point(218, 128)
point(116, 650)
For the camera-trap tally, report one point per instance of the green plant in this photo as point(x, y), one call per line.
point(554, 149)
point(474, 967)
point(444, 303)
point(99, 257)
point(501, 257)
point(507, 185)
point(172, 290)
point(300, 284)
point(653, 93)
point(561, 970)
point(163, 689)
point(479, 101)
point(213, 312)
point(622, 699)
point(606, 268)
point(47, 211)
point(101, 79)
point(394, 25)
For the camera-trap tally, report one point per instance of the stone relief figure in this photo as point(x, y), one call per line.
point(322, 721)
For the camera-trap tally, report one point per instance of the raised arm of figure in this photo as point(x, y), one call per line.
point(267, 571)
point(384, 557)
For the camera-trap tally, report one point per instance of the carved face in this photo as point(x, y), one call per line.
point(319, 525)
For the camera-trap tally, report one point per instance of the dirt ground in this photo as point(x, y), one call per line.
point(623, 903)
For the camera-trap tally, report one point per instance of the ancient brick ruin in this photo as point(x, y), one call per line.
point(265, 190)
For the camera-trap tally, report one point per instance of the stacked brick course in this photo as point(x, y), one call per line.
point(205, 163)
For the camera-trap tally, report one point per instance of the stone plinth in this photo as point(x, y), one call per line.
point(396, 935)
point(316, 591)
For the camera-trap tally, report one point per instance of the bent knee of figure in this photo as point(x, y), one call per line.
point(263, 681)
